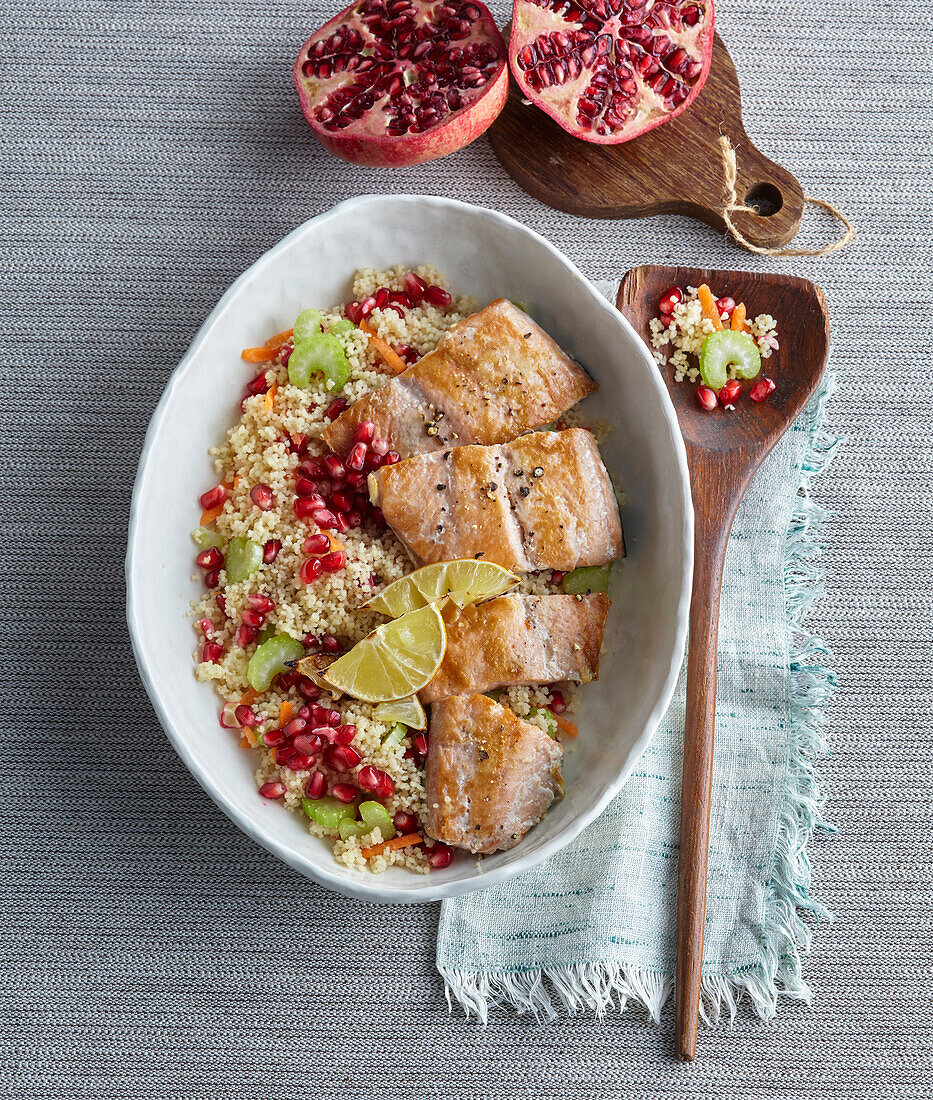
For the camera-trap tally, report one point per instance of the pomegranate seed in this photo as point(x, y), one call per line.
point(305, 507)
point(319, 715)
point(670, 298)
point(364, 432)
point(284, 353)
point(730, 393)
point(257, 385)
point(206, 626)
point(212, 578)
point(334, 562)
point(342, 757)
point(252, 618)
point(762, 390)
point(397, 309)
point(374, 461)
point(271, 550)
point(272, 790)
point(419, 743)
point(210, 559)
point(706, 398)
point(221, 604)
point(390, 458)
point(261, 496)
point(381, 297)
point(316, 785)
point(299, 762)
point(308, 743)
point(356, 479)
point(246, 716)
point(340, 501)
point(340, 522)
point(353, 312)
point(375, 514)
point(440, 856)
point(318, 543)
point(330, 644)
point(312, 467)
point(415, 287)
point(437, 296)
point(354, 519)
point(405, 823)
point(557, 576)
point(343, 735)
point(343, 792)
point(375, 780)
point(323, 517)
point(331, 717)
point(557, 704)
point(245, 635)
point(367, 306)
point(379, 446)
point(335, 466)
point(298, 444)
point(289, 678)
point(294, 727)
point(273, 738)
point(283, 754)
point(406, 352)
point(211, 652)
point(259, 601)
point(310, 570)
point(725, 306)
point(305, 487)
point(308, 690)
point(357, 456)
point(338, 405)
point(213, 497)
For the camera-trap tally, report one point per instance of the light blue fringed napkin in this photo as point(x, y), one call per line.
point(595, 925)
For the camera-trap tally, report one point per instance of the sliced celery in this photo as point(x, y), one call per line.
point(307, 324)
point(270, 659)
point(395, 736)
point(375, 814)
point(328, 812)
point(589, 578)
point(319, 355)
point(267, 632)
point(348, 828)
point(339, 327)
point(206, 538)
point(243, 557)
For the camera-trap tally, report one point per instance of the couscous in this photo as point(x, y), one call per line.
point(283, 557)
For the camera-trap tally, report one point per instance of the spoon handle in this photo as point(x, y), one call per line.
point(713, 521)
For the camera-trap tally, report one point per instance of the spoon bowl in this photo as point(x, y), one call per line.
point(724, 449)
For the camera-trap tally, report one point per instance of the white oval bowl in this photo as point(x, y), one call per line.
point(488, 255)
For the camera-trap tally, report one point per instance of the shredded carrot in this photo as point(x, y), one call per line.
point(286, 710)
point(249, 696)
point(270, 396)
point(244, 742)
point(708, 302)
point(387, 845)
point(210, 514)
point(335, 543)
point(275, 342)
point(566, 725)
point(258, 355)
point(390, 356)
point(738, 318)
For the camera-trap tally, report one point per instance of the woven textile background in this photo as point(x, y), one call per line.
point(150, 152)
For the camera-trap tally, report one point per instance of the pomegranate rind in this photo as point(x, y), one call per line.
point(366, 141)
point(641, 33)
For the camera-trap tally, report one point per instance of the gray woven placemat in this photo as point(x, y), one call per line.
point(150, 152)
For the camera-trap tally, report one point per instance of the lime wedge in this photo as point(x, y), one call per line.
point(465, 581)
point(408, 711)
point(394, 661)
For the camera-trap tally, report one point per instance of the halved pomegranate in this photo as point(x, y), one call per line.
point(608, 70)
point(387, 83)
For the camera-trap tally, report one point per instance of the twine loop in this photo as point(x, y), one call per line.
point(732, 205)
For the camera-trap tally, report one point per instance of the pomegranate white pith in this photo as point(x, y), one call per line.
point(608, 70)
point(397, 82)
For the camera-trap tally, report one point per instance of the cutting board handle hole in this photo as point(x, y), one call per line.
point(765, 199)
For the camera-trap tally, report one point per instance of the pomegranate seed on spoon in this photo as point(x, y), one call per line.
point(706, 398)
point(730, 392)
point(762, 390)
point(671, 297)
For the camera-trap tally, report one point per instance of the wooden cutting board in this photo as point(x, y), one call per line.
point(676, 168)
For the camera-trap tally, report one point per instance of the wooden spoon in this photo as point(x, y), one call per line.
point(724, 449)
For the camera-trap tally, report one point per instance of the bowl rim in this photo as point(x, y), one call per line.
point(346, 881)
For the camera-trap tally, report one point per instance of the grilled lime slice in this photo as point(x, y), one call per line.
point(464, 581)
point(396, 660)
point(408, 711)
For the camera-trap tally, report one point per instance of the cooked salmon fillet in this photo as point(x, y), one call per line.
point(543, 501)
point(489, 776)
point(493, 376)
point(519, 640)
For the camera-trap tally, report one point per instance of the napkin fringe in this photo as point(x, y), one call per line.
point(599, 986)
